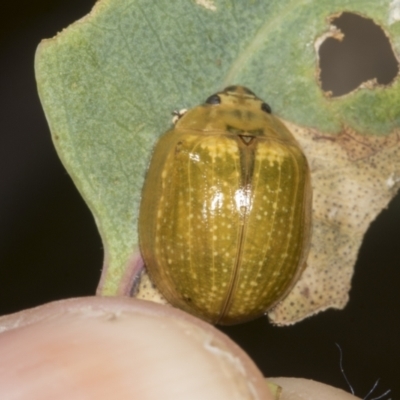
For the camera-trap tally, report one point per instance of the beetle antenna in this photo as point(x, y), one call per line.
point(342, 370)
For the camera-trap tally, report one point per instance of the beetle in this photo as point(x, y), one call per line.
point(225, 214)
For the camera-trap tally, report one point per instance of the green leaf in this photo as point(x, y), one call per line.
point(109, 83)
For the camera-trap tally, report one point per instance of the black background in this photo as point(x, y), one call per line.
point(50, 248)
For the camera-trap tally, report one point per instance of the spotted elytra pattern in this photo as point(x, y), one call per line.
point(225, 217)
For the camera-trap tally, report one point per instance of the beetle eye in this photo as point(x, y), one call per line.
point(214, 99)
point(265, 107)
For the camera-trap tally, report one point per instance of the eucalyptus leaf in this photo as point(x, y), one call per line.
point(109, 82)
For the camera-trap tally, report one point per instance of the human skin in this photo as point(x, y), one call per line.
point(120, 348)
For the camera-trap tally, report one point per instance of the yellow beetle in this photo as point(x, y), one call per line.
point(225, 216)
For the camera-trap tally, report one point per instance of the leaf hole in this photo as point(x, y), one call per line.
point(356, 53)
